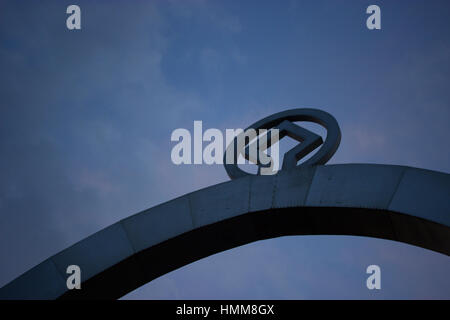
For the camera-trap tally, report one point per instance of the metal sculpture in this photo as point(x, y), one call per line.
point(383, 201)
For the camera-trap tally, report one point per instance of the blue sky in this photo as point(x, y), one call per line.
point(86, 119)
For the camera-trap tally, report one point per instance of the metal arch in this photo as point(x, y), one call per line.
point(321, 117)
point(391, 202)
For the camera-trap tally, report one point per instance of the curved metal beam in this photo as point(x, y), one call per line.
point(391, 202)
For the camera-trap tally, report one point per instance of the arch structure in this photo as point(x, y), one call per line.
point(398, 203)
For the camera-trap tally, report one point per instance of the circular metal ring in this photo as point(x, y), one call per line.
point(323, 118)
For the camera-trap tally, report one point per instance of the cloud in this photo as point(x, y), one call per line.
point(86, 119)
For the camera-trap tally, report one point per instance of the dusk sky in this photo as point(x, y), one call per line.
point(86, 118)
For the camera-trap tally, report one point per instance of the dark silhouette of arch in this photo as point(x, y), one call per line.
point(390, 202)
